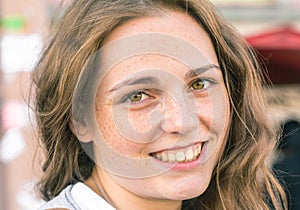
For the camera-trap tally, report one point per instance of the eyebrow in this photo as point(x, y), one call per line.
point(153, 80)
point(139, 81)
point(197, 71)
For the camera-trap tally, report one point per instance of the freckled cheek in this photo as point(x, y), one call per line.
point(140, 120)
point(213, 112)
point(204, 111)
point(113, 137)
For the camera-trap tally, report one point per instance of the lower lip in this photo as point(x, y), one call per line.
point(183, 166)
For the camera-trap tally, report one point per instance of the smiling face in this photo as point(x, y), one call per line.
point(168, 116)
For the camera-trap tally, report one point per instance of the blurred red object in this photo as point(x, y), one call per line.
point(280, 50)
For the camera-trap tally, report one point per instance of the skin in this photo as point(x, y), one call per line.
point(207, 119)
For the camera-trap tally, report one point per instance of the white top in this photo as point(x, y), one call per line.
point(78, 197)
point(87, 199)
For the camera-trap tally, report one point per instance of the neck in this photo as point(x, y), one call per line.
point(123, 199)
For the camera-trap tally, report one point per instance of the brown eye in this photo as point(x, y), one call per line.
point(198, 85)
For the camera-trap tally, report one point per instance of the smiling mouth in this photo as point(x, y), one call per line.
point(182, 155)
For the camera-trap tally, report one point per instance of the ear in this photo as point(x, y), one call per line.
point(81, 131)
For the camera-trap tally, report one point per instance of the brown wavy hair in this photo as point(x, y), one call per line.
point(242, 179)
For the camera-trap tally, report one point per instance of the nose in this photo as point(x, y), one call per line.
point(180, 115)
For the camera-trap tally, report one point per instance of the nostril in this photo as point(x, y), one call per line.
point(175, 133)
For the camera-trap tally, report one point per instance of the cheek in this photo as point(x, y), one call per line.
point(221, 112)
point(213, 110)
point(112, 135)
point(205, 111)
point(141, 121)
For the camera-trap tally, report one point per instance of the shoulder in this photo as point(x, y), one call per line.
point(63, 201)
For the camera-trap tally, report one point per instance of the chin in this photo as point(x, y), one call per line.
point(188, 189)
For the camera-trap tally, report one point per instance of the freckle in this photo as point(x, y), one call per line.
point(109, 102)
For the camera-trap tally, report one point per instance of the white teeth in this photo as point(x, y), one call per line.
point(159, 156)
point(180, 156)
point(164, 157)
point(189, 155)
point(200, 148)
point(184, 155)
point(171, 157)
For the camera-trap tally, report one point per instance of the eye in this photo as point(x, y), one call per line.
point(137, 97)
point(199, 84)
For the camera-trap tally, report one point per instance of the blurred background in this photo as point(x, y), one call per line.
point(272, 27)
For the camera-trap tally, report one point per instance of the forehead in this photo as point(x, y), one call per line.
point(177, 24)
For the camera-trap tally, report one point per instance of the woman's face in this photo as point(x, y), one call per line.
point(164, 114)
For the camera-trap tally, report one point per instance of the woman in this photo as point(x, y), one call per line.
point(152, 104)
